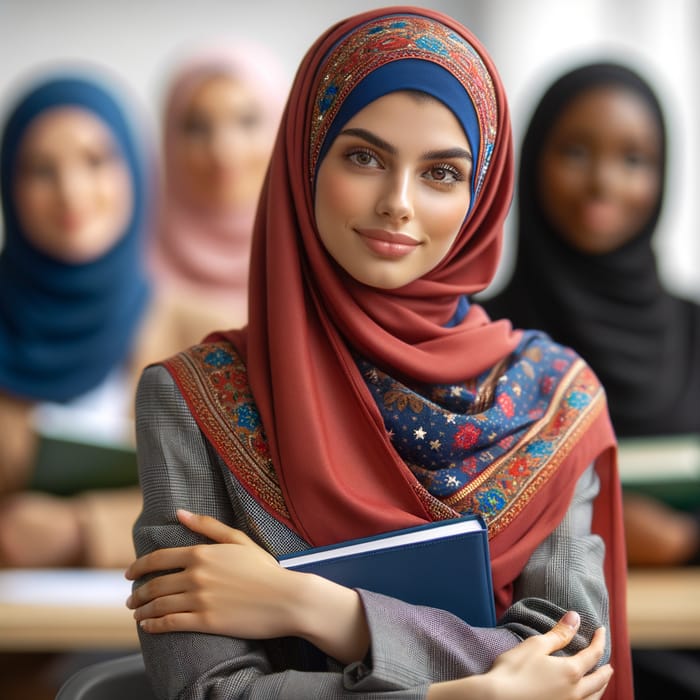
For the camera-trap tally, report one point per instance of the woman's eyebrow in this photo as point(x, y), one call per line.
point(370, 138)
point(456, 152)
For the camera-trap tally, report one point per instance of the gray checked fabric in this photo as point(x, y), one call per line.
point(411, 646)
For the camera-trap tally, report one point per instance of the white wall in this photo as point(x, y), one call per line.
point(527, 38)
point(533, 41)
point(139, 37)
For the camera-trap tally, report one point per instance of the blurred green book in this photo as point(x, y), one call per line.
point(65, 466)
point(667, 468)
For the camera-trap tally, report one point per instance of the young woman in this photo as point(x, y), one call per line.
point(591, 190)
point(366, 394)
point(73, 292)
point(221, 115)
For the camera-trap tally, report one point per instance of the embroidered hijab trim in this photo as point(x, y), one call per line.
point(495, 459)
point(395, 38)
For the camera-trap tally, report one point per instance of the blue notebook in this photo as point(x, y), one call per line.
point(444, 564)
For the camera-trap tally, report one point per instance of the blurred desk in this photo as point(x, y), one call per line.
point(78, 609)
point(663, 607)
point(54, 610)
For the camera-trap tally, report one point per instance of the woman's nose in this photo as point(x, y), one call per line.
point(604, 175)
point(396, 201)
point(72, 184)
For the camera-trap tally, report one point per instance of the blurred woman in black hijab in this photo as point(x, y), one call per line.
point(591, 187)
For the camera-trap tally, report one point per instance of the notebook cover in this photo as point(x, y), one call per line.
point(452, 573)
point(666, 468)
point(64, 466)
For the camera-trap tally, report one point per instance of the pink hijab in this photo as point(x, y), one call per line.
point(199, 251)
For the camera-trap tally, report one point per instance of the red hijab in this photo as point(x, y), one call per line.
point(339, 473)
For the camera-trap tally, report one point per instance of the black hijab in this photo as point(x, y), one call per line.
point(642, 341)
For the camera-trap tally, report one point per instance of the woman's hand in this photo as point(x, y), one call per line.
point(232, 587)
point(235, 588)
point(530, 665)
point(656, 534)
point(529, 671)
point(38, 529)
point(17, 444)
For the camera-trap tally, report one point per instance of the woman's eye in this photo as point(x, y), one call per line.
point(573, 151)
point(636, 160)
point(365, 159)
point(445, 174)
point(249, 120)
point(39, 171)
point(196, 128)
point(98, 160)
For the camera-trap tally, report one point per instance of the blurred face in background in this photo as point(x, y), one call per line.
point(73, 191)
point(600, 169)
point(222, 145)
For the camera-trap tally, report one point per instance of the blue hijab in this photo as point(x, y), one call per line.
point(64, 326)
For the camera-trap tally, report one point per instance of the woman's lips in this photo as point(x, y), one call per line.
point(388, 244)
point(71, 221)
point(600, 216)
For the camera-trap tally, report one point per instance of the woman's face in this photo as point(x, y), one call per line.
point(73, 190)
point(393, 190)
point(222, 145)
point(600, 169)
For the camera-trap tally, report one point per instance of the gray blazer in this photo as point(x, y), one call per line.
point(411, 646)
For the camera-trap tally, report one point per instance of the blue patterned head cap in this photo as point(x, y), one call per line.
point(406, 52)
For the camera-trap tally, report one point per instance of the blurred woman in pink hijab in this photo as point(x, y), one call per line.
point(221, 115)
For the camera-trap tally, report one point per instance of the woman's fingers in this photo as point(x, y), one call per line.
point(587, 658)
point(594, 684)
point(178, 557)
point(210, 527)
point(533, 665)
point(164, 605)
point(159, 560)
point(175, 622)
point(561, 634)
point(157, 587)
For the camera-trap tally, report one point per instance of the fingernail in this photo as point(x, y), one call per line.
point(571, 619)
point(182, 511)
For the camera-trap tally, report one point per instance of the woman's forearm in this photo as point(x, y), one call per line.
point(329, 616)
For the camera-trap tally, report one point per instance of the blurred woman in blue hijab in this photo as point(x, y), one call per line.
point(73, 293)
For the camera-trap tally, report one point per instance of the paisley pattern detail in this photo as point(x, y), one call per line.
point(214, 382)
point(394, 38)
point(492, 461)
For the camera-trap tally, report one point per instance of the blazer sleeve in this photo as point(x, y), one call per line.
point(565, 573)
point(411, 646)
point(178, 469)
